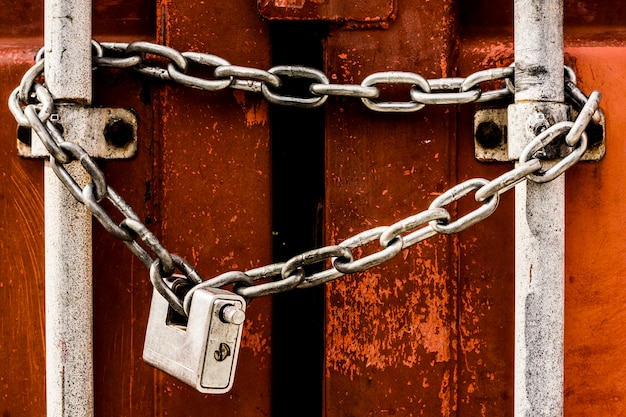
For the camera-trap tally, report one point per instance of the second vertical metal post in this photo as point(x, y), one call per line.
point(540, 213)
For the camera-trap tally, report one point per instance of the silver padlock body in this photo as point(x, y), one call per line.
point(203, 353)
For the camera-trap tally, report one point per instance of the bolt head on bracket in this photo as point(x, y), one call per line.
point(491, 135)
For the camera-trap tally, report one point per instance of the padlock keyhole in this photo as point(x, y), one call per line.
point(222, 353)
point(176, 319)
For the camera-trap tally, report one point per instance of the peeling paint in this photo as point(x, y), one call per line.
point(498, 54)
point(256, 111)
point(293, 4)
point(445, 395)
point(254, 336)
point(369, 326)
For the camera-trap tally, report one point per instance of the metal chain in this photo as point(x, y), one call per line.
point(224, 75)
point(32, 106)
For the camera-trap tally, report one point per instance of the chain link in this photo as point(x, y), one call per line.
point(545, 138)
point(199, 83)
point(388, 252)
point(508, 180)
point(296, 72)
point(170, 54)
point(448, 92)
point(456, 193)
point(416, 81)
point(32, 106)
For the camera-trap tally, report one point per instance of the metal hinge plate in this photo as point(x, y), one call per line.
point(111, 133)
point(491, 133)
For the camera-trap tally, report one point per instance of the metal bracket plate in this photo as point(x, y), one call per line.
point(110, 133)
point(491, 133)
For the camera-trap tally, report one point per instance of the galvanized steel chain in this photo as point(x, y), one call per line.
point(32, 106)
point(224, 75)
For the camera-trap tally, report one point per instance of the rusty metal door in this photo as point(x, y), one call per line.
point(231, 182)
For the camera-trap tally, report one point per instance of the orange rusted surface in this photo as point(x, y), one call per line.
point(392, 335)
point(595, 262)
point(22, 344)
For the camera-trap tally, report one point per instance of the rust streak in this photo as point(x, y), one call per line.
point(256, 112)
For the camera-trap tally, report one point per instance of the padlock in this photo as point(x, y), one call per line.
point(202, 349)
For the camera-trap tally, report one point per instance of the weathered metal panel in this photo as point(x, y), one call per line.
point(486, 265)
point(364, 12)
point(595, 262)
point(216, 189)
point(391, 336)
point(122, 289)
point(356, 382)
point(22, 345)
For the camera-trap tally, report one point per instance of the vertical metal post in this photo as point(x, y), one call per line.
point(540, 213)
point(68, 266)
